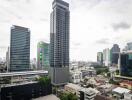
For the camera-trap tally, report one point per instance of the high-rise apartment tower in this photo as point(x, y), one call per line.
point(59, 42)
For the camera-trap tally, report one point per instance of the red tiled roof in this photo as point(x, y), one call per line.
point(127, 82)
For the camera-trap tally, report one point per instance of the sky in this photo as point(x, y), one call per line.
point(94, 24)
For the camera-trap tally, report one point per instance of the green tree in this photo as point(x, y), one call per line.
point(106, 70)
point(98, 72)
point(117, 72)
point(68, 96)
point(44, 80)
point(111, 81)
point(108, 74)
point(102, 71)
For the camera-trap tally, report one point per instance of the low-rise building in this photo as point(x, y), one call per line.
point(126, 84)
point(119, 92)
point(75, 76)
point(81, 92)
point(107, 88)
point(101, 97)
point(101, 80)
point(88, 93)
point(73, 88)
point(88, 73)
point(128, 96)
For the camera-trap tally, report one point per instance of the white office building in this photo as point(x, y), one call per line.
point(75, 76)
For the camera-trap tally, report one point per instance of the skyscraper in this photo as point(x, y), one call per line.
point(106, 57)
point(128, 47)
point(59, 42)
point(19, 48)
point(43, 56)
point(8, 59)
point(100, 57)
point(125, 64)
point(115, 50)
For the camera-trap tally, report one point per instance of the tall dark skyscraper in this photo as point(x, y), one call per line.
point(125, 64)
point(19, 49)
point(59, 40)
point(115, 50)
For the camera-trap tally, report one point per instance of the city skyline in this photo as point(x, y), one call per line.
point(98, 25)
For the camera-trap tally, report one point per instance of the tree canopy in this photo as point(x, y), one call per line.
point(68, 96)
point(44, 80)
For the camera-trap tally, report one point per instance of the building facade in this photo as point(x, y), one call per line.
point(8, 59)
point(75, 76)
point(33, 64)
point(43, 56)
point(100, 58)
point(106, 57)
point(19, 49)
point(59, 42)
point(115, 50)
point(129, 46)
point(88, 73)
point(125, 64)
point(88, 93)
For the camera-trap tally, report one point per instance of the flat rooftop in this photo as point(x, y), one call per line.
point(9, 74)
point(74, 86)
point(121, 90)
point(48, 97)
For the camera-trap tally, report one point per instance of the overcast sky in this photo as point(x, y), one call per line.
point(94, 24)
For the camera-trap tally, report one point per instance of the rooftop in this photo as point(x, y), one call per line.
point(90, 90)
point(23, 73)
point(121, 90)
point(18, 84)
point(48, 97)
point(101, 97)
point(127, 82)
point(74, 86)
point(60, 3)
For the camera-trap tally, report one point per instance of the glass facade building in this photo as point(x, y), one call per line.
point(100, 57)
point(19, 49)
point(59, 42)
point(126, 64)
point(115, 50)
point(106, 57)
point(43, 56)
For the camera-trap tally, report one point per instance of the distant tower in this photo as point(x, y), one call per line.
point(8, 59)
point(43, 56)
point(100, 57)
point(125, 64)
point(59, 42)
point(19, 49)
point(106, 57)
point(115, 50)
point(128, 47)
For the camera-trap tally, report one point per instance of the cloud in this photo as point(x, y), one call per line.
point(3, 47)
point(103, 41)
point(44, 19)
point(121, 25)
point(76, 44)
point(84, 3)
point(87, 22)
